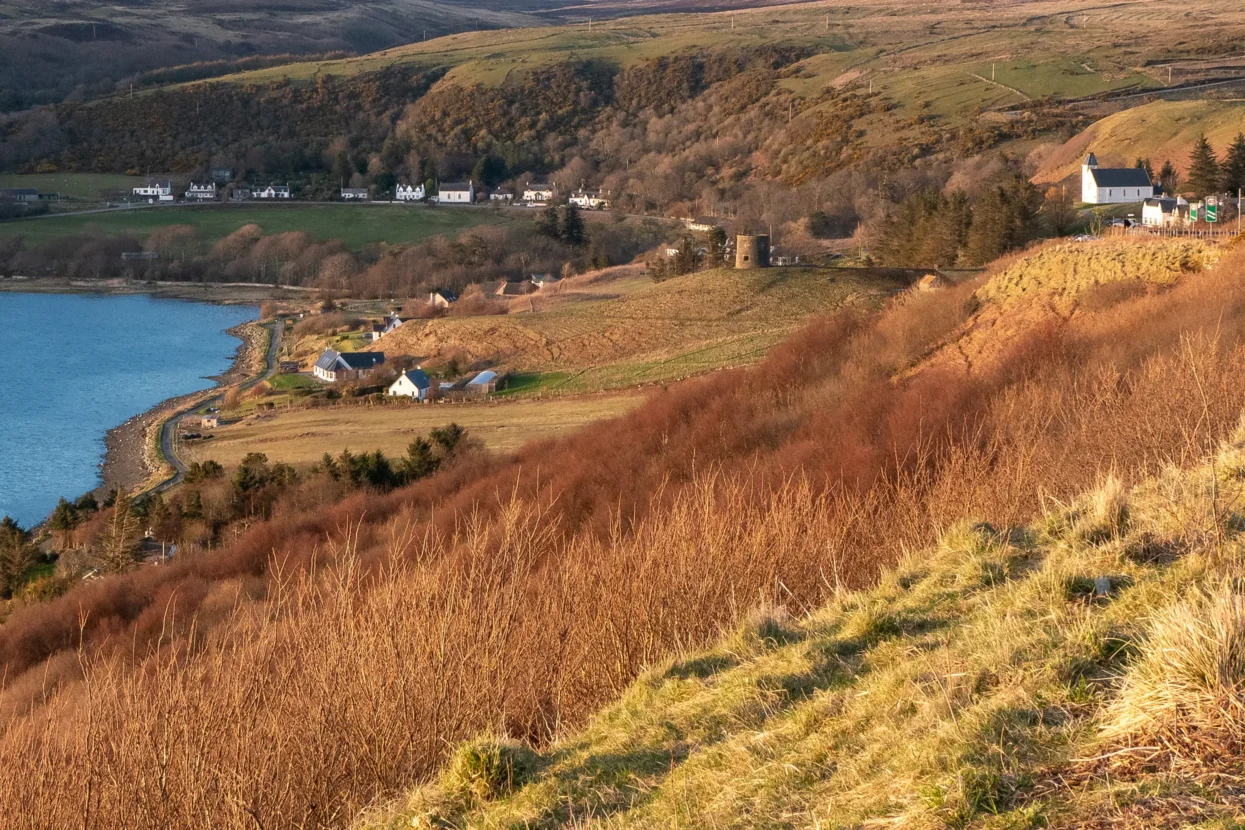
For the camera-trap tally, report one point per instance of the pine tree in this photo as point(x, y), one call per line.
point(1169, 179)
point(1234, 166)
point(16, 556)
point(1205, 174)
point(548, 223)
point(572, 230)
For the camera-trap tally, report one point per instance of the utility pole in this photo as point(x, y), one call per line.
point(1169, 74)
point(993, 67)
point(1238, 211)
point(732, 22)
point(590, 24)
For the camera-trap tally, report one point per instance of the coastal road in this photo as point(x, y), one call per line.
point(168, 433)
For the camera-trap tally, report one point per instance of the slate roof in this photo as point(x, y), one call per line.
point(455, 186)
point(418, 377)
point(333, 360)
point(1121, 177)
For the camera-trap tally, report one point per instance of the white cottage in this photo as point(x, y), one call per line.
point(354, 194)
point(1113, 185)
point(273, 191)
point(412, 383)
point(334, 365)
point(589, 200)
point(155, 191)
point(538, 192)
point(1159, 212)
point(201, 192)
point(409, 193)
point(456, 193)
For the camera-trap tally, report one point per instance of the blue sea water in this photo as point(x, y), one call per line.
point(74, 366)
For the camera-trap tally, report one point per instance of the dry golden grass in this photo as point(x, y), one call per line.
point(620, 328)
point(300, 437)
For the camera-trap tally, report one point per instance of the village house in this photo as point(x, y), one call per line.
point(456, 193)
point(501, 196)
point(700, 224)
point(1113, 185)
point(392, 322)
point(513, 288)
point(484, 383)
point(24, 195)
point(201, 192)
point(409, 193)
point(538, 192)
point(441, 299)
point(155, 191)
point(1160, 212)
point(589, 200)
point(412, 383)
point(334, 366)
point(377, 332)
point(354, 194)
point(273, 191)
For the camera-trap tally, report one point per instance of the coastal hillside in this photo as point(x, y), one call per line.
point(326, 637)
point(1084, 670)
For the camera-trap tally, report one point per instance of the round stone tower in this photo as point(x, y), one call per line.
point(752, 251)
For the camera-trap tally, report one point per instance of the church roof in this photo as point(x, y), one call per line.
point(1121, 177)
point(1091, 160)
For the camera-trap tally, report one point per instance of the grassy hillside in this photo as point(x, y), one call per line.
point(355, 225)
point(1082, 671)
point(1160, 131)
point(622, 329)
point(318, 648)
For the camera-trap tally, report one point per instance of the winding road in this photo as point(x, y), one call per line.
point(168, 432)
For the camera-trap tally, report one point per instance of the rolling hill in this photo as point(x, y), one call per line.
point(1160, 131)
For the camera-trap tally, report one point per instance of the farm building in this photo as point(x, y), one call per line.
point(538, 192)
point(201, 192)
point(409, 193)
point(334, 366)
point(483, 384)
point(354, 194)
point(513, 288)
point(457, 193)
point(412, 383)
point(1113, 185)
point(273, 191)
point(441, 299)
point(210, 421)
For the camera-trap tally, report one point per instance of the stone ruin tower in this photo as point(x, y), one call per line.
point(752, 251)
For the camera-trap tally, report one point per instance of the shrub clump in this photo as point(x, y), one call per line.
point(486, 769)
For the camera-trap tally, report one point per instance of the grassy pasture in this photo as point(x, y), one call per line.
point(1161, 131)
point(301, 437)
point(355, 225)
point(623, 330)
point(83, 187)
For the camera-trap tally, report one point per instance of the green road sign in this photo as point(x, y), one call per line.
point(1193, 212)
point(1212, 211)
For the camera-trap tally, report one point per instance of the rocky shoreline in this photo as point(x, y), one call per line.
point(130, 457)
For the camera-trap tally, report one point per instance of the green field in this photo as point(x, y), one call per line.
point(84, 187)
point(355, 225)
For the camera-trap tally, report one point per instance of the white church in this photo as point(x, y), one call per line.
point(1113, 185)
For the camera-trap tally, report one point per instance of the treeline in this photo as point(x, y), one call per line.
point(495, 252)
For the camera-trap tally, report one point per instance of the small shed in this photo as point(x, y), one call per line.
point(210, 421)
point(484, 383)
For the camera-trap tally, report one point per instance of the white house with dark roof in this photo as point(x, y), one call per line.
point(1160, 212)
point(409, 193)
point(412, 383)
point(456, 193)
point(201, 192)
point(1113, 185)
point(355, 194)
point(273, 191)
point(156, 190)
point(334, 365)
point(589, 200)
point(538, 192)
